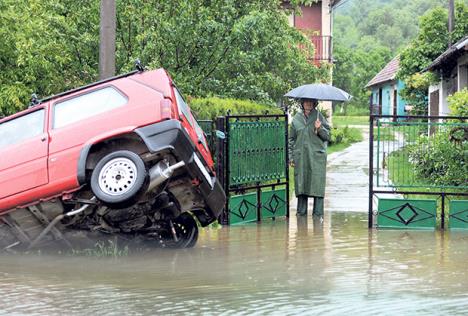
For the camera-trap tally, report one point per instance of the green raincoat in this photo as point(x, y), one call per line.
point(309, 153)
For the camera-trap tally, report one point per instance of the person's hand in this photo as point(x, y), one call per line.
point(317, 124)
point(291, 163)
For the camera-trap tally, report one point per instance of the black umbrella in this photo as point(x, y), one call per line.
point(319, 91)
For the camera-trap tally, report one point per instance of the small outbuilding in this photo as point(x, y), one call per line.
point(385, 88)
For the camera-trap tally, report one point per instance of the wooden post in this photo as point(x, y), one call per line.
point(451, 20)
point(107, 40)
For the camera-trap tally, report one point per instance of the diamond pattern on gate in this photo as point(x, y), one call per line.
point(403, 211)
point(407, 213)
point(274, 203)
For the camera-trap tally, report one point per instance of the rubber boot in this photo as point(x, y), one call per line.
point(302, 205)
point(318, 206)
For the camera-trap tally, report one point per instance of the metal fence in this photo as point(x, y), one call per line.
point(413, 157)
point(252, 164)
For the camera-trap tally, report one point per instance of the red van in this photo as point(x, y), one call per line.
point(123, 156)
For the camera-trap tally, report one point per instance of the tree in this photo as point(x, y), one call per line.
point(368, 34)
point(46, 47)
point(242, 49)
point(432, 40)
point(354, 68)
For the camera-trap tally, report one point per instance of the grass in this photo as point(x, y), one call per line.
point(350, 120)
point(384, 133)
point(102, 249)
point(337, 147)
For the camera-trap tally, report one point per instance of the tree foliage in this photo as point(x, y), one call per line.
point(432, 40)
point(368, 34)
point(354, 68)
point(458, 103)
point(241, 49)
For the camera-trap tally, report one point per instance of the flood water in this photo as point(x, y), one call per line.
point(277, 267)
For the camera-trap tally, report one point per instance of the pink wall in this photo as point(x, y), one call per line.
point(311, 18)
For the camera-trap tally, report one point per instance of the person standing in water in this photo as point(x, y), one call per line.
point(308, 139)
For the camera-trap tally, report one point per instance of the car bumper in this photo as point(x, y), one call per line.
point(171, 137)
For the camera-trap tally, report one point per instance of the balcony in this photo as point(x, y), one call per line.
point(323, 48)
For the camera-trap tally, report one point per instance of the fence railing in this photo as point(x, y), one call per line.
point(323, 47)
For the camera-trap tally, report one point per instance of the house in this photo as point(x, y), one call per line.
point(315, 20)
point(452, 68)
point(386, 88)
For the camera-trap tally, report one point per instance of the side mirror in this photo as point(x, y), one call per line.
point(220, 134)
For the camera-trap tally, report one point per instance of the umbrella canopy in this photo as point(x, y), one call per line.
point(319, 91)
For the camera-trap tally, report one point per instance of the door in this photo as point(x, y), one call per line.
point(380, 101)
point(23, 153)
point(433, 110)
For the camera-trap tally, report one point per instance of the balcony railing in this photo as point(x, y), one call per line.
point(323, 48)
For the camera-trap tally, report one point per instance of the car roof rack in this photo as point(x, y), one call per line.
point(88, 86)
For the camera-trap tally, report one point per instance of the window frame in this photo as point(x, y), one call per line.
point(43, 129)
point(57, 103)
point(190, 117)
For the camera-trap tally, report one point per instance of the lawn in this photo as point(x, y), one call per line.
point(341, 121)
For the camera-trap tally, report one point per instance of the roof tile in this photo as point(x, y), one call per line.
point(388, 73)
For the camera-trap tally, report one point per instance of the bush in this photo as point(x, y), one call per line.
point(439, 160)
point(458, 103)
point(345, 135)
point(210, 108)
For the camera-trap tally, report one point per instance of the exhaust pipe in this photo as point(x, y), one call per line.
point(161, 172)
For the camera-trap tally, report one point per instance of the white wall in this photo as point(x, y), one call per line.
point(326, 18)
point(462, 70)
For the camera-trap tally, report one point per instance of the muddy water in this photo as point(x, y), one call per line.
point(283, 268)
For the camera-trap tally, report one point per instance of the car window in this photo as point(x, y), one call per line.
point(22, 128)
point(87, 105)
point(183, 107)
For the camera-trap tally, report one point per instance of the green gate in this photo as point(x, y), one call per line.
point(252, 163)
point(402, 152)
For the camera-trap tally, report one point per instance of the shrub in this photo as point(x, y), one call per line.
point(439, 160)
point(458, 103)
point(210, 108)
point(345, 135)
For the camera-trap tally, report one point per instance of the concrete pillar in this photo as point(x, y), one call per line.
point(107, 39)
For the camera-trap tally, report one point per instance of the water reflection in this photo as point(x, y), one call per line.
point(301, 266)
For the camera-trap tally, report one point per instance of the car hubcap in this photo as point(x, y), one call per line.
point(118, 176)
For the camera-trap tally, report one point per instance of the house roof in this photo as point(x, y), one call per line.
point(447, 59)
point(334, 2)
point(388, 73)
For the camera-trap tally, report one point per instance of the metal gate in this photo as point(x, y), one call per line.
point(399, 152)
point(252, 165)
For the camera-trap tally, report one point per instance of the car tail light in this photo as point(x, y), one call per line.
point(166, 109)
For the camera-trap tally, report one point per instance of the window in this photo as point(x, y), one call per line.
point(183, 107)
point(22, 128)
point(87, 105)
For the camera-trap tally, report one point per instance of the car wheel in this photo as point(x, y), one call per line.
point(186, 230)
point(119, 179)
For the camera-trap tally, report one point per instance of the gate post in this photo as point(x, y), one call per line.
point(221, 166)
point(371, 163)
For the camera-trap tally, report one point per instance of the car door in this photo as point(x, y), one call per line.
point(23, 152)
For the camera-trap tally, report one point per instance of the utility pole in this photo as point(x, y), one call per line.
point(107, 40)
point(451, 20)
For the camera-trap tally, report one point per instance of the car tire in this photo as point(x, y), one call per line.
point(119, 179)
point(186, 229)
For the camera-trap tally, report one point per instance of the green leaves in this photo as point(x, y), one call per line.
point(432, 40)
point(458, 103)
point(242, 49)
